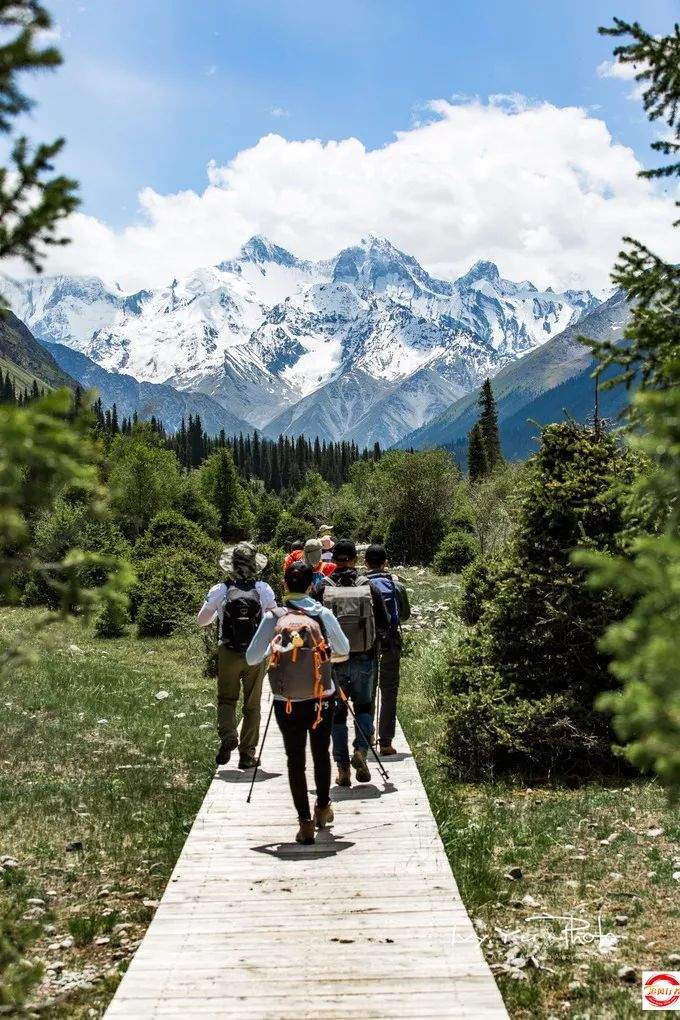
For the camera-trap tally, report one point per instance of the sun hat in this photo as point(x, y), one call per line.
point(327, 543)
point(243, 561)
point(325, 529)
point(312, 552)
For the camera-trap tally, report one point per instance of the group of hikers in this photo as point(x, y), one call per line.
point(329, 649)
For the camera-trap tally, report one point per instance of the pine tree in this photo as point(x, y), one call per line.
point(645, 647)
point(32, 204)
point(488, 421)
point(478, 464)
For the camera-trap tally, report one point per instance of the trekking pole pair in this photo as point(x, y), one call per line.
point(381, 767)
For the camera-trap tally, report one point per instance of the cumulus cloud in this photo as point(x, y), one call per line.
point(543, 191)
point(624, 72)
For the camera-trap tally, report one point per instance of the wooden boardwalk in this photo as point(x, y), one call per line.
point(368, 923)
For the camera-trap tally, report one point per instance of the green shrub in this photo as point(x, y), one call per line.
point(490, 730)
point(195, 506)
point(477, 587)
point(267, 517)
point(204, 575)
point(456, 551)
point(174, 533)
point(290, 529)
point(171, 591)
point(273, 572)
point(69, 525)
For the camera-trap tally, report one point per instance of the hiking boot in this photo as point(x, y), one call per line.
point(344, 776)
point(361, 766)
point(246, 761)
point(306, 834)
point(227, 745)
point(386, 750)
point(323, 816)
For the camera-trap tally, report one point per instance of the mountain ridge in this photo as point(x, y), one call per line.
point(266, 331)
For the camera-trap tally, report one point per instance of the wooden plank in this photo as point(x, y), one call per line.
point(366, 924)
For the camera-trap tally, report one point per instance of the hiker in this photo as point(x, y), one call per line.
point(312, 557)
point(361, 612)
point(238, 604)
point(388, 656)
point(301, 637)
point(296, 553)
point(327, 543)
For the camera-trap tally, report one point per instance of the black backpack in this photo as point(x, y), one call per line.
point(241, 616)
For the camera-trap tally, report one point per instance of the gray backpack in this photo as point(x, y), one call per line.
point(300, 666)
point(353, 609)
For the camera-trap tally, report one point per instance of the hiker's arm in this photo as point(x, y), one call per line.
point(211, 606)
point(267, 596)
point(335, 634)
point(258, 649)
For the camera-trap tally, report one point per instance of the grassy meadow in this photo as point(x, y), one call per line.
point(101, 775)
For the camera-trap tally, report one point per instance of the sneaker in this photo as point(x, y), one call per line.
point(227, 745)
point(323, 816)
point(246, 761)
point(306, 834)
point(386, 750)
point(344, 776)
point(361, 766)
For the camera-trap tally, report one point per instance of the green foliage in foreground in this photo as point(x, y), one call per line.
point(645, 645)
point(524, 681)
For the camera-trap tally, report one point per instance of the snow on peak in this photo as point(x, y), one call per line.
point(260, 249)
point(481, 270)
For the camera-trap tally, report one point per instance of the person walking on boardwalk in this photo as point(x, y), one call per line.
point(360, 610)
point(238, 604)
point(388, 655)
point(300, 638)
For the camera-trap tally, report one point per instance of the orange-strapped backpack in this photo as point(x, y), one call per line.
point(300, 664)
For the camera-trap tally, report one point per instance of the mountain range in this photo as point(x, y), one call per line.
point(541, 387)
point(365, 346)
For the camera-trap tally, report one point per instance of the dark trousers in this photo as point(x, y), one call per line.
point(294, 728)
point(388, 662)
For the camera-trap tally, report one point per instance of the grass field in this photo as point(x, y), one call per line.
point(100, 780)
point(23, 379)
point(99, 783)
point(596, 851)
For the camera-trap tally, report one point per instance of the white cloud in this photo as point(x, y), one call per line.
point(624, 72)
point(211, 70)
point(543, 191)
point(279, 111)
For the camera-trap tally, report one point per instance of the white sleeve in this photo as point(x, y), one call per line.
point(267, 596)
point(212, 605)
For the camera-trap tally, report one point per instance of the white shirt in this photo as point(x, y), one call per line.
point(214, 604)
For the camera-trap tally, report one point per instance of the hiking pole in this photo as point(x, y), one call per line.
point(259, 757)
point(381, 767)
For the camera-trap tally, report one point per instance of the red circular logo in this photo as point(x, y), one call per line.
point(661, 990)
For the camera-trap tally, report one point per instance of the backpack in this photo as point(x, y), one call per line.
point(241, 616)
point(388, 590)
point(300, 664)
point(352, 606)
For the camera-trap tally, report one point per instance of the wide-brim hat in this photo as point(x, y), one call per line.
point(327, 543)
point(243, 560)
point(325, 529)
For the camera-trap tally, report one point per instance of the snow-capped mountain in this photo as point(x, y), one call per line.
point(365, 345)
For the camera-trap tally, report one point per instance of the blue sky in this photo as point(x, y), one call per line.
point(459, 130)
point(152, 90)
